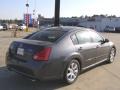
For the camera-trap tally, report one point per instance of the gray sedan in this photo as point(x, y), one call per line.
point(59, 53)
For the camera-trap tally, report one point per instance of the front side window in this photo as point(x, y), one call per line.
point(83, 37)
point(95, 37)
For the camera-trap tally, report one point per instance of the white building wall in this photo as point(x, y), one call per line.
point(101, 24)
point(92, 24)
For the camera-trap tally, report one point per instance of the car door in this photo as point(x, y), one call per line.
point(102, 48)
point(86, 48)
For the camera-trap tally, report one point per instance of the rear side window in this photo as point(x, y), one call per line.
point(48, 35)
point(83, 37)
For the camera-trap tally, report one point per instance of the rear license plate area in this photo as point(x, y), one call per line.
point(20, 51)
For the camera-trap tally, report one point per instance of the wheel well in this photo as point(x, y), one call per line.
point(79, 62)
point(114, 48)
point(73, 59)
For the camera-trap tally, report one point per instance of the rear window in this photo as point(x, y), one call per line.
point(48, 35)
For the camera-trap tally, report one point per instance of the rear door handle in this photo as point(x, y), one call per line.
point(98, 46)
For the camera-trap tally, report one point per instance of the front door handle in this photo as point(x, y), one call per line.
point(80, 48)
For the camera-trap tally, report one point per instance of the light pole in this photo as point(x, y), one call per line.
point(57, 13)
point(27, 22)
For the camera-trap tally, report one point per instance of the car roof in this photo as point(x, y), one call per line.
point(68, 28)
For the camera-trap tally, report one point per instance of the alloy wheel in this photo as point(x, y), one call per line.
point(112, 55)
point(72, 71)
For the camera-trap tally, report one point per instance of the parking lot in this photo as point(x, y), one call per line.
point(102, 77)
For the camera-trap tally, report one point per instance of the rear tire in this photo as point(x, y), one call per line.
point(72, 72)
point(112, 55)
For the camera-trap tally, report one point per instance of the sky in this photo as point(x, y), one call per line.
point(11, 9)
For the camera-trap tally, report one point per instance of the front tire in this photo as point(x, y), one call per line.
point(112, 55)
point(72, 72)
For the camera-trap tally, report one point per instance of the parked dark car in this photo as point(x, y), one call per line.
point(59, 53)
point(109, 29)
point(117, 29)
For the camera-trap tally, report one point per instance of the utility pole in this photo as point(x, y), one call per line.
point(34, 14)
point(57, 13)
point(27, 6)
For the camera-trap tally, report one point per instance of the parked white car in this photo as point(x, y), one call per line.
point(1, 27)
point(22, 27)
point(12, 26)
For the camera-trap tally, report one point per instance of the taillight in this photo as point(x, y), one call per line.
point(42, 55)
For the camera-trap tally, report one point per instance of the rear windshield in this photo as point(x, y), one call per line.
point(48, 35)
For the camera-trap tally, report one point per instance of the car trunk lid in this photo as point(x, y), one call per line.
point(25, 49)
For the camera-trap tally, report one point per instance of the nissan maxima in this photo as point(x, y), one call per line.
point(59, 53)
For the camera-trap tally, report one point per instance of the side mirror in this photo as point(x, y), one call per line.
point(106, 40)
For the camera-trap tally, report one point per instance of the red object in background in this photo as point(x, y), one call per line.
point(27, 19)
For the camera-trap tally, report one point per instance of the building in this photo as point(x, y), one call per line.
point(99, 23)
point(74, 21)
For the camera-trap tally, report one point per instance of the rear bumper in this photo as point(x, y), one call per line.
point(33, 70)
point(21, 73)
